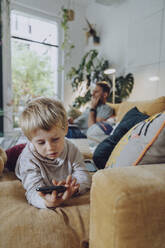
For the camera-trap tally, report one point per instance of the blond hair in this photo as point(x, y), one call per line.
point(42, 113)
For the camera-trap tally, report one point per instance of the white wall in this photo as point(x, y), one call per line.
point(133, 39)
point(78, 38)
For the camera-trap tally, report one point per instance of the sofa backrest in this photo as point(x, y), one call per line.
point(149, 107)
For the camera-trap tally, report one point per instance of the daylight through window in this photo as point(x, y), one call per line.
point(34, 46)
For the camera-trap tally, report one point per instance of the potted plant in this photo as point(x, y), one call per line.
point(67, 45)
point(90, 70)
point(123, 88)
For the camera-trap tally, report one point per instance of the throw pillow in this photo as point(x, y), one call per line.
point(105, 148)
point(143, 144)
point(12, 156)
point(150, 107)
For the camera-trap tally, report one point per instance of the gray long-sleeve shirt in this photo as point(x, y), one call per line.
point(102, 111)
point(35, 171)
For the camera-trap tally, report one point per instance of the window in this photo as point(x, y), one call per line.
point(34, 51)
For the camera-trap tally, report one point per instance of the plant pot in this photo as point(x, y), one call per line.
point(96, 40)
point(70, 14)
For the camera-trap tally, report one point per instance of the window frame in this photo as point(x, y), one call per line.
point(6, 55)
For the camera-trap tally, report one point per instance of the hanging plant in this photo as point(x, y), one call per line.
point(67, 45)
point(70, 14)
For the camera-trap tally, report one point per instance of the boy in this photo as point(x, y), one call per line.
point(49, 158)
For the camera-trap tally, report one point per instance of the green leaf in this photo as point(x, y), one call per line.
point(91, 68)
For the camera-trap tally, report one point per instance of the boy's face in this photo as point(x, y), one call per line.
point(49, 144)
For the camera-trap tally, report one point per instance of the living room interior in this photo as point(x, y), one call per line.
point(131, 39)
point(125, 207)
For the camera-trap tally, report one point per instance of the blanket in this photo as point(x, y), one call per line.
point(24, 226)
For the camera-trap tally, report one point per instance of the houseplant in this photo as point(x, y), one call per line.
point(123, 87)
point(90, 70)
point(67, 45)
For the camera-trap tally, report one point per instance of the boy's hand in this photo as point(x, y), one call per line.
point(72, 186)
point(55, 199)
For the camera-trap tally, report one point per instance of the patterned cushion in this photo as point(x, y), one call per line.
point(143, 144)
point(104, 149)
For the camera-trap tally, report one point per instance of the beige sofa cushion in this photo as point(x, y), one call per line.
point(24, 226)
point(149, 107)
point(127, 207)
point(115, 107)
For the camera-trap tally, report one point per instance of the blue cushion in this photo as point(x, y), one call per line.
point(104, 149)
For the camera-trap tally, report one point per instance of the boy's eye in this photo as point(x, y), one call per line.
point(40, 142)
point(55, 139)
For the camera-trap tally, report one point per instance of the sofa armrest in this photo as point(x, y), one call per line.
point(128, 207)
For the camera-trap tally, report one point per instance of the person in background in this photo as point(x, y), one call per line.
point(49, 158)
point(99, 109)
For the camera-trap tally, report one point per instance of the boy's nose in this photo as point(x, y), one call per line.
point(50, 146)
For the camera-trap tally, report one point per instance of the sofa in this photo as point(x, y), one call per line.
point(124, 208)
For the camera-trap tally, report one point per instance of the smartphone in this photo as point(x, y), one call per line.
point(49, 189)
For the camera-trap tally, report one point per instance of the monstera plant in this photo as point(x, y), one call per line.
point(90, 70)
point(123, 88)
